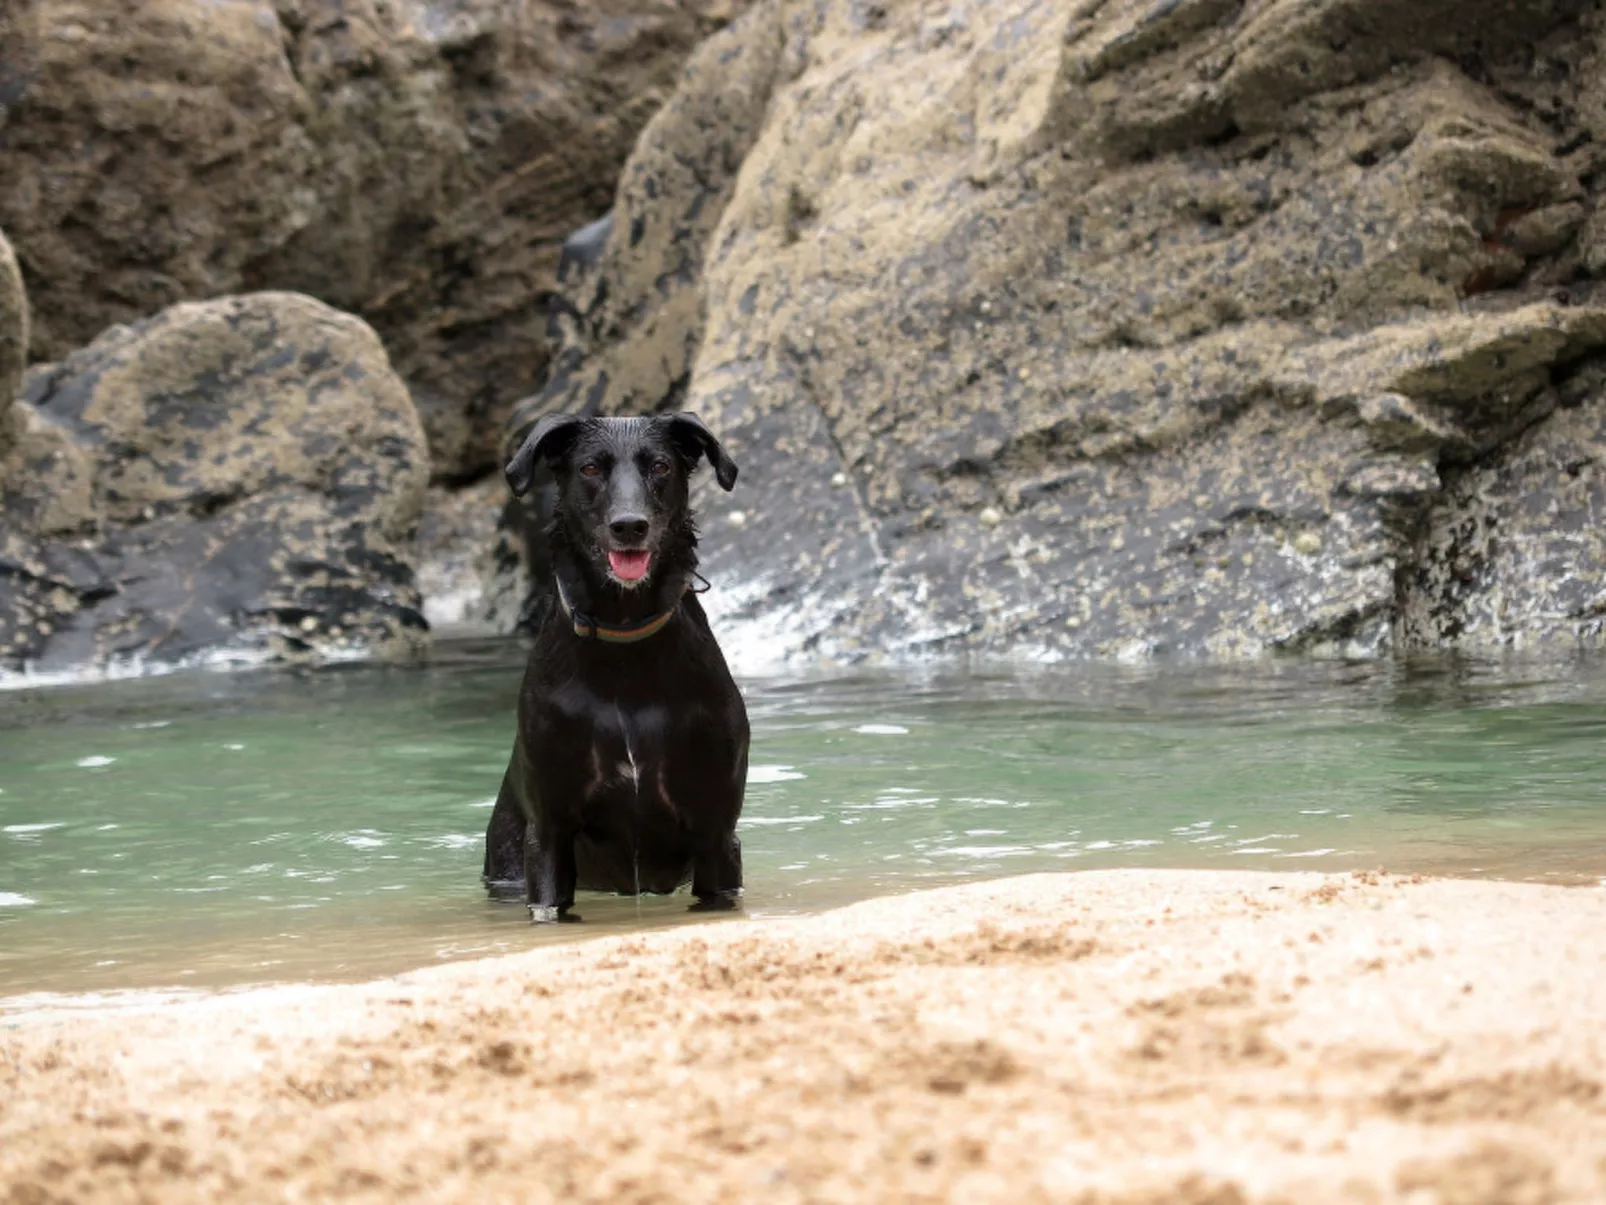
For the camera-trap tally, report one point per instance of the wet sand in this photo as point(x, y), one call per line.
point(1110, 1036)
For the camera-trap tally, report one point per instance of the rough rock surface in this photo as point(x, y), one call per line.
point(465, 589)
point(243, 474)
point(13, 328)
point(1123, 327)
point(414, 161)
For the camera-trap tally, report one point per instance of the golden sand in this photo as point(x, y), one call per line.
point(1111, 1036)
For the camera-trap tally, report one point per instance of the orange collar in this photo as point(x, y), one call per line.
point(586, 628)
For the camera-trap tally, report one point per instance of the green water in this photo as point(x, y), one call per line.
point(207, 829)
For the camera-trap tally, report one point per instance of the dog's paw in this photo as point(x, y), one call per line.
point(504, 889)
point(723, 901)
point(544, 914)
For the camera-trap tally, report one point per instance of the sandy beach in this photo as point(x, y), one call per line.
point(1111, 1036)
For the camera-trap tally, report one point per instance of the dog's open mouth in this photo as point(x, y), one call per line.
point(629, 566)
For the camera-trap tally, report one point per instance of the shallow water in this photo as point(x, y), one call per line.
point(210, 829)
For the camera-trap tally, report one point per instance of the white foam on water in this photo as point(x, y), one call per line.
point(984, 851)
point(456, 610)
point(452, 841)
point(93, 763)
point(901, 801)
point(882, 730)
point(1259, 849)
point(10, 899)
point(20, 829)
point(766, 774)
point(362, 840)
point(31, 1006)
point(755, 639)
point(750, 821)
point(153, 724)
point(1309, 853)
point(760, 634)
point(139, 666)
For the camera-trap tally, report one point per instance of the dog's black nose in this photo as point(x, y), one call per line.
point(628, 527)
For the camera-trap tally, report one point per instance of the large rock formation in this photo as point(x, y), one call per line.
point(416, 162)
point(242, 475)
point(1124, 327)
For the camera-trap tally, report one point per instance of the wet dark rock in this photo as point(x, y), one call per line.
point(1124, 329)
point(1513, 553)
point(241, 476)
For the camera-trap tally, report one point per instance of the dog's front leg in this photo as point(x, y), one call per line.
point(716, 878)
point(549, 874)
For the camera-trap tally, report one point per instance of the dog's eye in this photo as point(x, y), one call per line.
point(660, 468)
point(591, 469)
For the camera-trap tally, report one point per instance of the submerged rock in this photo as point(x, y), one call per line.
point(416, 162)
point(239, 476)
point(1120, 329)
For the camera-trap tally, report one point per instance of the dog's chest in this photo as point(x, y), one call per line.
point(626, 758)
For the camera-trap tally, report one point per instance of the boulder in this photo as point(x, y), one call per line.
point(416, 163)
point(235, 477)
point(1203, 327)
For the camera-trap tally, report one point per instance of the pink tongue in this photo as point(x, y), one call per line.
point(629, 566)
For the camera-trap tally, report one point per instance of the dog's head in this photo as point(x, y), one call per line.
point(622, 482)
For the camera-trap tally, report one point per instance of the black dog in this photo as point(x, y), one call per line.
point(630, 762)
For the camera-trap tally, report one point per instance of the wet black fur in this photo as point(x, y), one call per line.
point(570, 813)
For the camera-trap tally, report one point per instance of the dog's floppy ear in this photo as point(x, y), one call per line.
point(689, 431)
point(551, 438)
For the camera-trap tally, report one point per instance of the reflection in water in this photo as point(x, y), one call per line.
point(208, 828)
